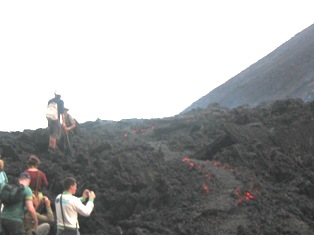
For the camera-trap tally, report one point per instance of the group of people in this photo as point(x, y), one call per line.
point(32, 212)
point(61, 130)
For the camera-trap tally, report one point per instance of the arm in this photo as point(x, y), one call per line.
point(70, 127)
point(32, 211)
point(72, 123)
point(85, 210)
point(49, 218)
point(61, 110)
point(44, 179)
point(63, 120)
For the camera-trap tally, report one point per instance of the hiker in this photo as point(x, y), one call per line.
point(69, 206)
point(13, 214)
point(38, 178)
point(68, 134)
point(3, 178)
point(44, 220)
point(3, 175)
point(55, 125)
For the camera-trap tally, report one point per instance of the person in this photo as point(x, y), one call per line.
point(38, 178)
point(55, 125)
point(3, 175)
point(3, 178)
point(67, 135)
point(12, 216)
point(69, 206)
point(44, 220)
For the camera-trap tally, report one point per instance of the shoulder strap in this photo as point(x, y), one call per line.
point(38, 174)
point(62, 211)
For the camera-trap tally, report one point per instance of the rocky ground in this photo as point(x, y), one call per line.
point(214, 171)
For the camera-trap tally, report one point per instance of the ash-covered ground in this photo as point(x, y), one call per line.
point(214, 171)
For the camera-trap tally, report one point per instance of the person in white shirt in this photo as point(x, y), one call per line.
point(69, 206)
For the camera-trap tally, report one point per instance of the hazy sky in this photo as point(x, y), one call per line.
point(126, 59)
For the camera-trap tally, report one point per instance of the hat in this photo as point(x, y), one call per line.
point(57, 93)
point(25, 175)
point(66, 109)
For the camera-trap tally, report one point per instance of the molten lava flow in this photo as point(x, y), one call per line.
point(245, 196)
point(205, 188)
point(241, 196)
point(248, 196)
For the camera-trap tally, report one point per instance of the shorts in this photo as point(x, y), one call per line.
point(54, 129)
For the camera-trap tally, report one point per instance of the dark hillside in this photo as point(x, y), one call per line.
point(212, 171)
point(287, 72)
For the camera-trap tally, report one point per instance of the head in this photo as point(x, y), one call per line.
point(1, 164)
point(33, 161)
point(25, 178)
point(69, 184)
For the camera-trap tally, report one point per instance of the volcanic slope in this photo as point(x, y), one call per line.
point(211, 171)
point(287, 72)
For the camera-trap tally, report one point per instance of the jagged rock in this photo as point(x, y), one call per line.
point(211, 171)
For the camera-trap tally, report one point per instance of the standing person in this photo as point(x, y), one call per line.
point(38, 178)
point(3, 178)
point(3, 175)
point(69, 206)
point(12, 215)
point(68, 135)
point(44, 220)
point(55, 125)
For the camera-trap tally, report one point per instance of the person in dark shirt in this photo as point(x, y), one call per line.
point(67, 134)
point(55, 125)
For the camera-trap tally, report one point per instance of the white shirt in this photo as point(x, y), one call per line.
point(72, 206)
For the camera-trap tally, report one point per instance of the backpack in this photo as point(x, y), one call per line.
point(11, 194)
point(3, 179)
point(52, 111)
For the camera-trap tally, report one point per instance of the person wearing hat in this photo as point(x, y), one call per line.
point(67, 135)
point(12, 215)
point(55, 125)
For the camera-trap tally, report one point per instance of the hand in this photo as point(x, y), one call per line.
point(35, 227)
point(92, 195)
point(46, 201)
point(86, 194)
